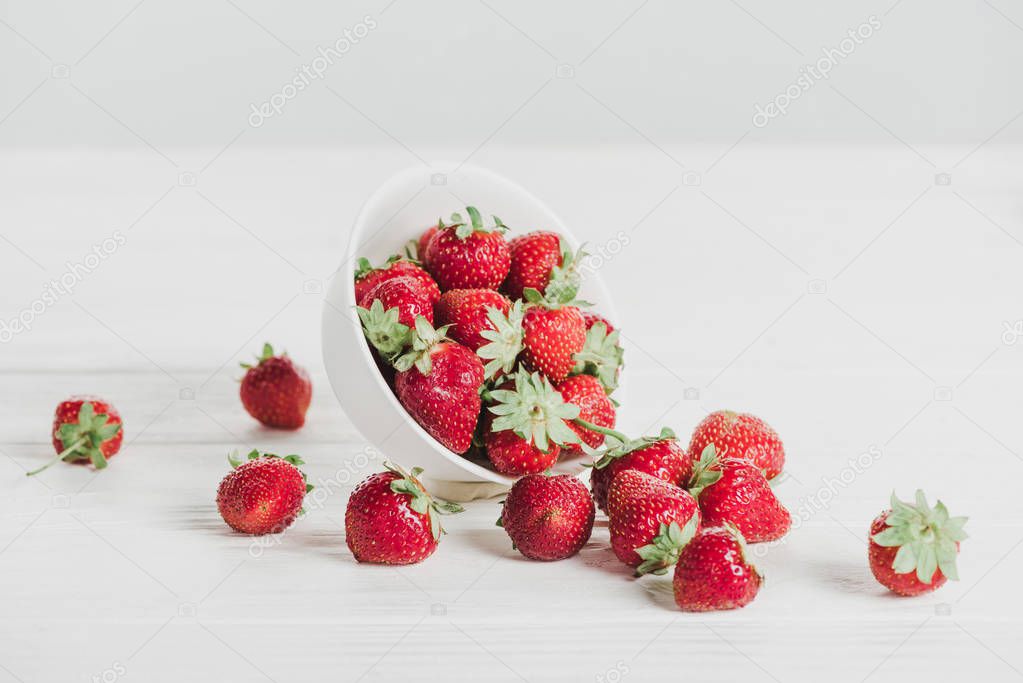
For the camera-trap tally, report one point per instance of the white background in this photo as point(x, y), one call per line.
point(848, 271)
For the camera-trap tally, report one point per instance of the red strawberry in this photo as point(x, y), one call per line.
point(533, 258)
point(391, 519)
point(601, 355)
point(548, 518)
point(264, 495)
point(590, 318)
point(423, 245)
point(85, 429)
point(649, 520)
point(594, 407)
point(276, 391)
point(438, 383)
point(736, 492)
point(659, 456)
point(712, 572)
point(913, 547)
point(738, 435)
point(530, 425)
point(465, 256)
point(403, 293)
point(367, 277)
point(552, 335)
point(466, 311)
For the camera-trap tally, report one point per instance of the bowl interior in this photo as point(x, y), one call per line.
point(397, 212)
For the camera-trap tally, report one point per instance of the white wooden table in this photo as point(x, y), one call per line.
point(840, 293)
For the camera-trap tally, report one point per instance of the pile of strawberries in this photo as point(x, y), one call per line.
point(486, 346)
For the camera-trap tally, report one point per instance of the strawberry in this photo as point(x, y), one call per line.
point(552, 334)
point(736, 492)
point(438, 382)
point(85, 429)
point(536, 257)
point(594, 407)
point(548, 518)
point(913, 547)
point(529, 426)
point(601, 355)
point(423, 244)
point(367, 277)
point(659, 456)
point(391, 519)
point(738, 435)
point(466, 311)
point(404, 293)
point(649, 520)
point(591, 319)
point(712, 572)
point(469, 256)
point(264, 495)
point(275, 391)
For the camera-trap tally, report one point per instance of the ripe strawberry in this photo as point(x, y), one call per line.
point(367, 277)
point(736, 492)
point(469, 256)
point(391, 519)
point(738, 435)
point(659, 456)
point(404, 293)
point(438, 382)
point(466, 311)
point(276, 391)
point(913, 547)
point(548, 518)
point(594, 407)
point(264, 495)
point(649, 520)
point(591, 318)
point(602, 354)
point(552, 334)
point(423, 244)
point(85, 429)
point(534, 257)
point(712, 572)
point(530, 425)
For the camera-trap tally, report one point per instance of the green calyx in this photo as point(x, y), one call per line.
point(926, 537)
point(664, 551)
point(82, 439)
point(463, 229)
point(423, 338)
point(267, 354)
point(535, 411)
point(564, 281)
point(506, 340)
point(382, 329)
point(705, 471)
point(617, 445)
point(421, 501)
point(602, 356)
point(255, 454)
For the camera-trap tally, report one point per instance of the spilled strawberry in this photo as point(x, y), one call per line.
point(548, 517)
point(85, 429)
point(659, 456)
point(262, 495)
point(438, 382)
point(913, 546)
point(392, 519)
point(275, 391)
point(739, 435)
point(713, 573)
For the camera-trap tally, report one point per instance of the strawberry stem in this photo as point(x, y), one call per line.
point(63, 454)
point(600, 430)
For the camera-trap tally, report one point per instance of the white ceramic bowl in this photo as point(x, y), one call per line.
point(399, 211)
